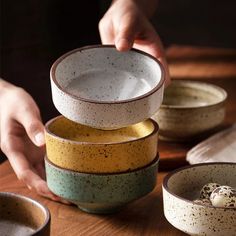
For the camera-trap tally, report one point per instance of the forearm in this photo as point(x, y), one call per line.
point(148, 7)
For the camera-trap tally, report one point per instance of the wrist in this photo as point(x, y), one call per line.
point(147, 7)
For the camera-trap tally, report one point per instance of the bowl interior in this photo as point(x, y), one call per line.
point(192, 94)
point(21, 216)
point(69, 130)
point(103, 74)
point(187, 182)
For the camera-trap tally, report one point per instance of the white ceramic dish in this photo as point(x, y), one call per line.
point(182, 186)
point(103, 88)
point(190, 109)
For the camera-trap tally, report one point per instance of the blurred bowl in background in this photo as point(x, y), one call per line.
point(190, 109)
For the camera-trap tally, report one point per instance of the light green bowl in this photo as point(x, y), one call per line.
point(101, 193)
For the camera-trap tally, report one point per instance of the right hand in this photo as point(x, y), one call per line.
point(126, 25)
point(22, 137)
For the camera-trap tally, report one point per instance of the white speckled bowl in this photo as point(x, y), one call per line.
point(190, 109)
point(183, 185)
point(106, 89)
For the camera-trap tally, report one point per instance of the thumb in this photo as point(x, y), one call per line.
point(33, 126)
point(35, 131)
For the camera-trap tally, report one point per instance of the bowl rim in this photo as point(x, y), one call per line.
point(154, 162)
point(98, 46)
point(189, 81)
point(48, 132)
point(172, 173)
point(34, 202)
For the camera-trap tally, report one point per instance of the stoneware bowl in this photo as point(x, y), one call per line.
point(106, 89)
point(183, 185)
point(101, 193)
point(190, 109)
point(21, 216)
point(81, 148)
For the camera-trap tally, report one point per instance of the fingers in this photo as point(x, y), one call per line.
point(27, 174)
point(118, 27)
point(33, 127)
point(106, 30)
point(126, 34)
point(29, 116)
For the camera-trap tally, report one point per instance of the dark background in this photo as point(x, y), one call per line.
point(34, 33)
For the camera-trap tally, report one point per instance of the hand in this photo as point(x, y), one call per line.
point(127, 26)
point(22, 137)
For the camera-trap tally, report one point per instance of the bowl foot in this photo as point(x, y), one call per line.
point(99, 208)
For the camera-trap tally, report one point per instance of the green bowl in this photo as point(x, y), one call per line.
point(101, 193)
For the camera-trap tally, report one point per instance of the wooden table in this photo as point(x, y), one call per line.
point(145, 216)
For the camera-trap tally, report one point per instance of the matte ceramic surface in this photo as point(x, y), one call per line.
point(103, 88)
point(189, 109)
point(182, 186)
point(101, 193)
point(21, 216)
point(85, 149)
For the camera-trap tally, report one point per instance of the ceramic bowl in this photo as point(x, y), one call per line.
point(20, 216)
point(81, 148)
point(101, 193)
point(182, 186)
point(190, 109)
point(106, 89)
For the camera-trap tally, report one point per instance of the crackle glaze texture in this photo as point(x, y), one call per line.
point(189, 109)
point(21, 216)
point(182, 186)
point(101, 193)
point(81, 148)
point(103, 88)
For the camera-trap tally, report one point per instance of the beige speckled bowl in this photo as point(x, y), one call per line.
point(101, 87)
point(21, 216)
point(190, 109)
point(81, 148)
point(182, 186)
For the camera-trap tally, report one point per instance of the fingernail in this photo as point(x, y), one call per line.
point(29, 187)
point(39, 139)
point(123, 44)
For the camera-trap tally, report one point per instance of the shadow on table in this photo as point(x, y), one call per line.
point(145, 216)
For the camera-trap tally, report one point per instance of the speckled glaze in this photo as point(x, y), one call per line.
point(81, 148)
point(21, 216)
point(106, 89)
point(101, 193)
point(182, 186)
point(190, 109)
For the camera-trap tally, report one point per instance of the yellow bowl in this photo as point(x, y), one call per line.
point(81, 148)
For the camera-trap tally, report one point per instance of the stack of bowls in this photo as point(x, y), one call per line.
point(102, 153)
